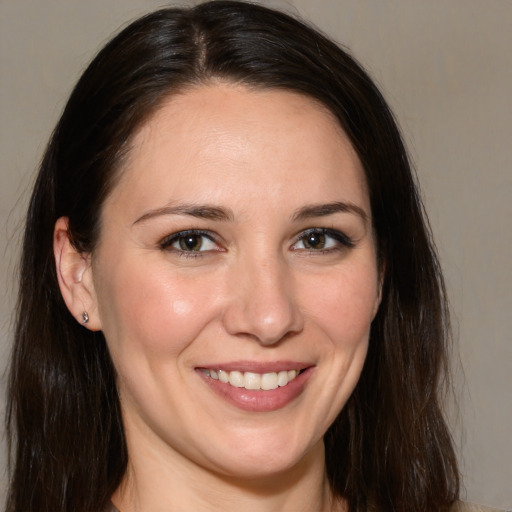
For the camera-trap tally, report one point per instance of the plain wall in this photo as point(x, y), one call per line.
point(446, 69)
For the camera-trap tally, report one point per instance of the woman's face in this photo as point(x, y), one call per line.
point(237, 246)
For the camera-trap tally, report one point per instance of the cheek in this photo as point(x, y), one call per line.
point(344, 305)
point(151, 312)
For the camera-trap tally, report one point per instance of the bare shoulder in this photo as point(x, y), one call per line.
point(462, 506)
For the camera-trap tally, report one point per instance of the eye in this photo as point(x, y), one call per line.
point(322, 240)
point(190, 241)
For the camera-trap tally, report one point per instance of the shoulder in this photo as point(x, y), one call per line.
point(462, 506)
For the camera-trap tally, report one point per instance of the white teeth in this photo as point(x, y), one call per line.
point(253, 381)
point(282, 378)
point(269, 381)
point(236, 379)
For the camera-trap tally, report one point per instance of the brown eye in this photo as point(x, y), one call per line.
point(322, 240)
point(314, 240)
point(190, 242)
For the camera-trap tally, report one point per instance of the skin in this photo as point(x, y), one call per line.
point(256, 291)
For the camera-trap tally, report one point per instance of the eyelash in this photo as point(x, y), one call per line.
point(342, 241)
point(167, 242)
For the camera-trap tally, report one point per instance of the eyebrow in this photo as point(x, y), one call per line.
point(323, 210)
point(193, 210)
point(211, 212)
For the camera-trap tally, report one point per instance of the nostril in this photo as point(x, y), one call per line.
point(262, 306)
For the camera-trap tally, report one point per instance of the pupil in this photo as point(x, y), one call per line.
point(190, 243)
point(315, 240)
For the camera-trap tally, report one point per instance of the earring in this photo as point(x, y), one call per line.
point(85, 317)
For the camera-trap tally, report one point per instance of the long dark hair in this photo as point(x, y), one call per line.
point(389, 449)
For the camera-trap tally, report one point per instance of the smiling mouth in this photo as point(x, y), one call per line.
point(251, 380)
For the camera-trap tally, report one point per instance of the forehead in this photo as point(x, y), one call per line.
point(227, 139)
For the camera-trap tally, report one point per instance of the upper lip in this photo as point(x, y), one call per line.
point(256, 366)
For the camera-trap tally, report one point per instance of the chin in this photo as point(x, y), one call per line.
point(263, 460)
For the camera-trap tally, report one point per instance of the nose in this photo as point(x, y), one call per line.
point(262, 304)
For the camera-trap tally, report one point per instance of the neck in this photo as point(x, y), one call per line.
point(157, 482)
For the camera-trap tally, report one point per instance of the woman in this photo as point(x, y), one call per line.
point(229, 295)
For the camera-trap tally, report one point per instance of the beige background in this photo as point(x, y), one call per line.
point(446, 68)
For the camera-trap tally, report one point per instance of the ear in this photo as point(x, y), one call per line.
point(380, 284)
point(74, 273)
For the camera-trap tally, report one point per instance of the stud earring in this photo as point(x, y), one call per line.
point(85, 317)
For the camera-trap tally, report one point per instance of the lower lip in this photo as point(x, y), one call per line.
point(259, 400)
